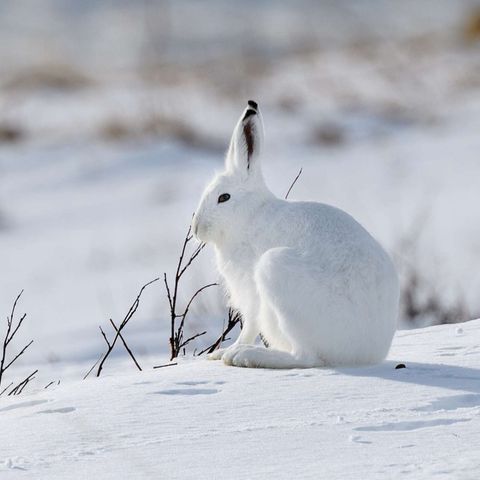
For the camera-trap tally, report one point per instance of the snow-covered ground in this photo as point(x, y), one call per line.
point(112, 119)
point(202, 419)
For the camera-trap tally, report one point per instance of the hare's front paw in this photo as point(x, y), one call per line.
point(217, 354)
point(243, 356)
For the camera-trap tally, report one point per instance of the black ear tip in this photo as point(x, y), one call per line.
point(253, 104)
point(249, 113)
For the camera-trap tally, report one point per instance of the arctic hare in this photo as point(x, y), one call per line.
point(307, 276)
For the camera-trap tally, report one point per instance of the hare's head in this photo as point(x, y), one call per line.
point(233, 195)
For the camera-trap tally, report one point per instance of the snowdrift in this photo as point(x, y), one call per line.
point(202, 419)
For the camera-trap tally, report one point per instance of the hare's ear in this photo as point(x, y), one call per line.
point(246, 143)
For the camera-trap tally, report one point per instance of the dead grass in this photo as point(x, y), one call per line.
point(471, 29)
point(422, 304)
point(10, 133)
point(423, 299)
point(117, 129)
point(55, 77)
point(328, 134)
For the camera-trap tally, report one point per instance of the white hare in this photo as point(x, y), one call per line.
point(307, 276)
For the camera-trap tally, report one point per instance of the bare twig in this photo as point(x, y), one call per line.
point(293, 183)
point(104, 337)
point(166, 365)
point(234, 318)
point(177, 320)
point(184, 314)
point(193, 337)
point(17, 327)
point(169, 296)
point(127, 348)
point(195, 254)
point(19, 388)
point(93, 366)
point(10, 333)
point(22, 351)
point(6, 388)
point(110, 345)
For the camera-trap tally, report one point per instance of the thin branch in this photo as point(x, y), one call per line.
point(131, 311)
point(26, 382)
point(234, 317)
point(177, 320)
point(19, 388)
point(193, 337)
point(104, 337)
point(293, 183)
point(169, 296)
point(166, 365)
point(136, 303)
point(6, 388)
point(12, 313)
point(187, 239)
point(8, 337)
point(184, 314)
point(127, 348)
point(93, 366)
point(194, 255)
point(18, 355)
point(10, 333)
point(16, 328)
point(200, 290)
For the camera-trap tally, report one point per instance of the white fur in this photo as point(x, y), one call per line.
point(305, 275)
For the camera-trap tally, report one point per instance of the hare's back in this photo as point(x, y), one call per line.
point(313, 225)
point(331, 243)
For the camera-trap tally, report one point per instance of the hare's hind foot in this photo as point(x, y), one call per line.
point(254, 356)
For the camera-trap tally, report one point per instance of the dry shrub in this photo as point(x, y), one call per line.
point(55, 77)
point(10, 133)
point(117, 129)
point(9, 357)
point(422, 304)
point(423, 301)
point(471, 29)
point(289, 104)
point(328, 134)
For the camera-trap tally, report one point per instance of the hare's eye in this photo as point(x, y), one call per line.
point(223, 197)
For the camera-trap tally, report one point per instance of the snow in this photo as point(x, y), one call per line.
point(202, 419)
point(377, 101)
